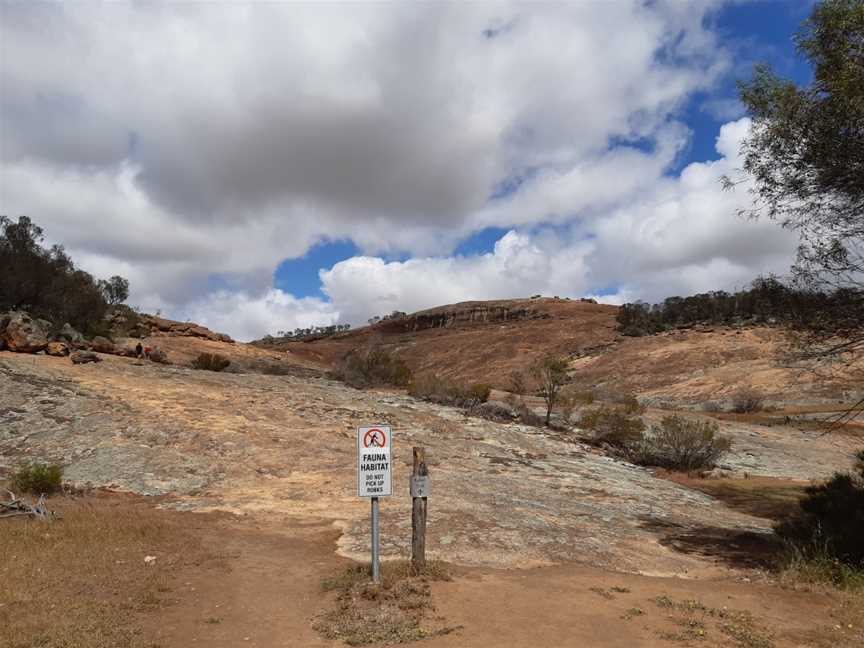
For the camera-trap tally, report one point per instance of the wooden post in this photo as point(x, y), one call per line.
point(418, 513)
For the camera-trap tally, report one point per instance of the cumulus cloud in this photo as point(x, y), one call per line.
point(677, 237)
point(248, 317)
point(193, 147)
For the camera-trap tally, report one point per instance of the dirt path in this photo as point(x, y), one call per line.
point(271, 593)
point(266, 599)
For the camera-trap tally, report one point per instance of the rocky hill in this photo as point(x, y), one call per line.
point(488, 341)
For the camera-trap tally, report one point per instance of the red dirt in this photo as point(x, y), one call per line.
point(271, 593)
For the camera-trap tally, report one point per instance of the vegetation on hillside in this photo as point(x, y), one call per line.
point(371, 367)
point(309, 333)
point(767, 301)
point(45, 283)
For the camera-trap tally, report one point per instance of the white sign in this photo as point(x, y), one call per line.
point(374, 468)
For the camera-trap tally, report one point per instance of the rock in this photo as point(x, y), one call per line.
point(58, 349)
point(102, 345)
point(496, 411)
point(158, 355)
point(24, 334)
point(83, 357)
point(162, 326)
point(70, 335)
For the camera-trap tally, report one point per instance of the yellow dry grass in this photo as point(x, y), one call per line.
point(82, 581)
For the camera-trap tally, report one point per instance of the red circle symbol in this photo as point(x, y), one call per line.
point(374, 438)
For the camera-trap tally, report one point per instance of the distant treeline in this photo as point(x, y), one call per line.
point(767, 301)
point(306, 333)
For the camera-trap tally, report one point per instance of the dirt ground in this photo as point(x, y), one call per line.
point(266, 592)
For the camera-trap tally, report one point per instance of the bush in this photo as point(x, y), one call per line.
point(681, 444)
point(37, 478)
point(747, 401)
point(444, 392)
point(830, 523)
point(211, 362)
point(366, 368)
point(613, 426)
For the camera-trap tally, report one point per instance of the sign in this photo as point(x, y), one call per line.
point(420, 486)
point(374, 468)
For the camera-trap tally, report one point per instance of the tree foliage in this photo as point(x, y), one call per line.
point(807, 311)
point(551, 375)
point(831, 519)
point(45, 282)
point(805, 150)
point(115, 290)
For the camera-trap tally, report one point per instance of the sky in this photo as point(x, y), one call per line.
point(261, 166)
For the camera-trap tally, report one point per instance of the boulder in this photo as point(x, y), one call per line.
point(83, 357)
point(102, 345)
point(58, 349)
point(70, 335)
point(24, 334)
point(158, 355)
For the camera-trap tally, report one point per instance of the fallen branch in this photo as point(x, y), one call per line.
point(16, 508)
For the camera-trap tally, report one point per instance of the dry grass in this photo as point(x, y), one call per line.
point(397, 610)
point(81, 581)
point(696, 621)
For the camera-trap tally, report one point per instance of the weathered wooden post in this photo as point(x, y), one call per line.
point(419, 493)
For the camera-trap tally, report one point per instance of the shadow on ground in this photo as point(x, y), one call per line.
point(732, 547)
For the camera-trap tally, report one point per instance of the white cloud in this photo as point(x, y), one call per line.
point(248, 317)
point(192, 147)
point(677, 237)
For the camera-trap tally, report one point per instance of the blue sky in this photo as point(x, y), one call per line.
point(755, 32)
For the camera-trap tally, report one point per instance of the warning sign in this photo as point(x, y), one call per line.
point(374, 469)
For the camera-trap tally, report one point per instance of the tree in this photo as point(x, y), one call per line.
point(805, 150)
point(551, 375)
point(44, 281)
point(805, 157)
point(115, 290)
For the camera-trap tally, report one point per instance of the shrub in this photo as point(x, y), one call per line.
point(613, 426)
point(711, 406)
point(747, 401)
point(681, 444)
point(440, 390)
point(375, 366)
point(37, 478)
point(480, 391)
point(211, 362)
point(830, 523)
point(517, 383)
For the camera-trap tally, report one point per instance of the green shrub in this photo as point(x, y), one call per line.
point(370, 367)
point(211, 362)
point(681, 444)
point(613, 426)
point(37, 478)
point(830, 523)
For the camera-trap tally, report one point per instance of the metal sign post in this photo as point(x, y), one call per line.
point(374, 478)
